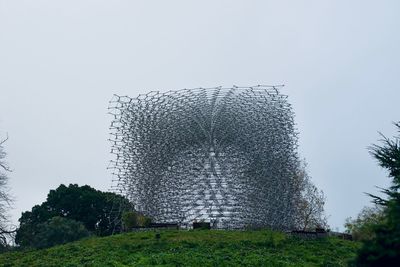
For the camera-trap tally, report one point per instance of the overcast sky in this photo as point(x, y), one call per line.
point(61, 62)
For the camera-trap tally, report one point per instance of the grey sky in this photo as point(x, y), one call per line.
point(61, 61)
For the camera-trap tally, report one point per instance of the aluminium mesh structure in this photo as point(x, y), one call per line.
point(221, 155)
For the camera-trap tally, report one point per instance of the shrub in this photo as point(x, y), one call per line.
point(57, 231)
point(362, 228)
point(129, 220)
point(143, 221)
point(133, 219)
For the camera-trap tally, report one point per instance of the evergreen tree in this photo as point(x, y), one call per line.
point(384, 248)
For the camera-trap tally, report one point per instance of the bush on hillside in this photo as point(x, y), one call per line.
point(143, 221)
point(362, 227)
point(132, 219)
point(129, 220)
point(58, 231)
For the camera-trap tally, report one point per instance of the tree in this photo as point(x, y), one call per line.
point(58, 230)
point(384, 248)
point(80, 203)
point(5, 200)
point(310, 207)
point(143, 221)
point(362, 227)
point(131, 219)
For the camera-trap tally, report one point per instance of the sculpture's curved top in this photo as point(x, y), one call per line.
point(222, 155)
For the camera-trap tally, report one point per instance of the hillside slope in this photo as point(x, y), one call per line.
point(190, 248)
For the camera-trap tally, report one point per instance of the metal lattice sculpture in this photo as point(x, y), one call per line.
point(221, 155)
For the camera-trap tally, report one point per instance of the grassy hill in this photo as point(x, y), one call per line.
point(190, 248)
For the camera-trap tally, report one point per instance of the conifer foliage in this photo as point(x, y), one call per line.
point(384, 248)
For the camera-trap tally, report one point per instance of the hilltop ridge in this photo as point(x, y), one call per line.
point(190, 248)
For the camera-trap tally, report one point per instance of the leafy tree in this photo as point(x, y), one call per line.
point(384, 248)
point(310, 206)
point(30, 222)
point(362, 227)
point(56, 231)
point(80, 203)
point(131, 219)
point(143, 221)
point(5, 200)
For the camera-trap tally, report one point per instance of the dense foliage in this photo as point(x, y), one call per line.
point(87, 205)
point(384, 248)
point(190, 248)
point(132, 219)
point(362, 227)
point(58, 230)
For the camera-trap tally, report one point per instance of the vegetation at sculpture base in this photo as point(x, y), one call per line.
point(310, 207)
point(132, 219)
point(190, 248)
point(383, 249)
point(83, 204)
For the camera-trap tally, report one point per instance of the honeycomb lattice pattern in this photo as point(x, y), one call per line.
point(221, 155)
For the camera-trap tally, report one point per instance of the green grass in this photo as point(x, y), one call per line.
point(190, 248)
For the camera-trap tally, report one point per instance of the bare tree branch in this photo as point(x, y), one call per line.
point(7, 232)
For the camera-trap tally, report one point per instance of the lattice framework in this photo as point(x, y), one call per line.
point(222, 155)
